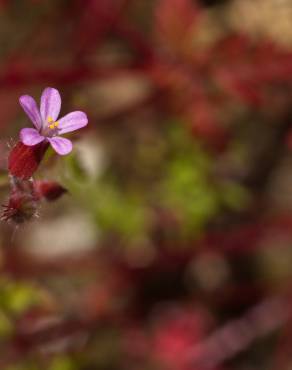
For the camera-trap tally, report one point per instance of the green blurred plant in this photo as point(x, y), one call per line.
point(184, 187)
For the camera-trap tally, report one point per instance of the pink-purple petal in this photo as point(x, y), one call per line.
point(72, 121)
point(30, 107)
point(50, 104)
point(30, 136)
point(61, 145)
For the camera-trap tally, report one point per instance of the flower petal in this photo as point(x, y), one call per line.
point(30, 136)
point(30, 107)
point(61, 145)
point(72, 121)
point(50, 104)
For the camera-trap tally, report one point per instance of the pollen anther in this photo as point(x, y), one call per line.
point(52, 124)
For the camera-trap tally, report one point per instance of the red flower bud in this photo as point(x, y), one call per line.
point(50, 190)
point(24, 160)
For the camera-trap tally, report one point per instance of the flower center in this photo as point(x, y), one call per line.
point(52, 124)
point(51, 128)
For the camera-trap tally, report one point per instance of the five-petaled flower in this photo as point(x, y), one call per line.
point(47, 125)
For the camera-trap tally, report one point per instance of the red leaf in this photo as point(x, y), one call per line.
point(207, 127)
point(174, 20)
point(95, 19)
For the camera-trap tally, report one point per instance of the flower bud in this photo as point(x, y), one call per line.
point(24, 160)
point(21, 207)
point(49, 190)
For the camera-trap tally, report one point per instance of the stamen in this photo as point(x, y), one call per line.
point(52, 124)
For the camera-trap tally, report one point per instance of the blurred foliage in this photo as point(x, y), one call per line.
point(183, 174)
point(185, 188)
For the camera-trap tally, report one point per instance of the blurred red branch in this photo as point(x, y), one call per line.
point(16, 76)
point(238, 335)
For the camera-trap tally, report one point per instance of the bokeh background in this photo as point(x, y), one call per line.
point(172, 249)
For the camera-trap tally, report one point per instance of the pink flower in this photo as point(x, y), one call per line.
point(47, 126)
